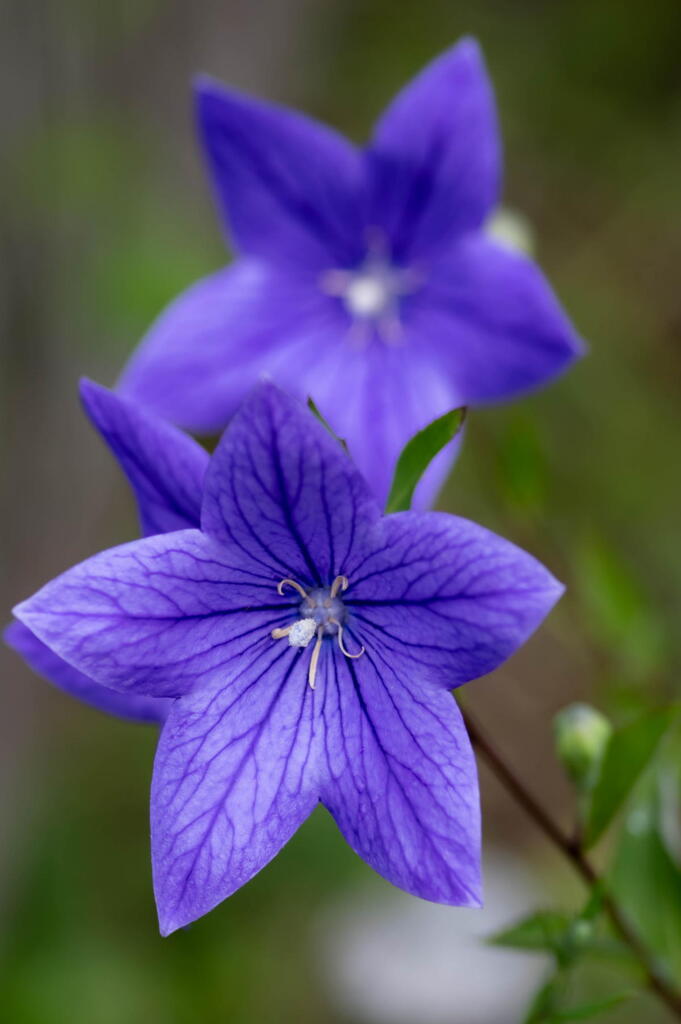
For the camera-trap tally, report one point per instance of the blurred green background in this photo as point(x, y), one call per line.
point(105, 216)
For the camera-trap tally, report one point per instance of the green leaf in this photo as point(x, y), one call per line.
point(417, 454)
point(627, 755)
point(545, 1001)
point(646, 881)
point(325, 423)
point(541, 931)
point(548, 1007)
point(587, 1010)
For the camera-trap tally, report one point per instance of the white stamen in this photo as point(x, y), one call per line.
point(368, 295)
point(301, 632)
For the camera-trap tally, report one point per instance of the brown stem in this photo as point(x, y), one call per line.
point(572, 850)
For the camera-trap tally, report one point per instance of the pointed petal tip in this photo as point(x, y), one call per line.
point(207, 87)
point(90, 391)
point(167, 926)
point(22, 613)
point(9, 635)
point(467, 50)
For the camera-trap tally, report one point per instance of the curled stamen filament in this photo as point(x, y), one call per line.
point(341, 644)
point(340, 583)
point(290, 583)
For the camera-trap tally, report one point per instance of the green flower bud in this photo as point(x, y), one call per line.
point(582, 734)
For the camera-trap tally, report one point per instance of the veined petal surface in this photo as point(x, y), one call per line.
point(155, 616)
point(446, 598)
point(282, 492)
point(400, 778)
point(236, 773)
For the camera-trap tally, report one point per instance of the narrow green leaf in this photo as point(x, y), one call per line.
point(325, 423)
point(543, 931)
point(627, 755)
point(417, 455)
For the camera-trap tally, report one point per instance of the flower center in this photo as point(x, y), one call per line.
point(371, 293)
point(322, 613)
point(327, 611)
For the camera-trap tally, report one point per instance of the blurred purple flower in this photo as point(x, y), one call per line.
point(165, 469)
point(366, 278)
point(294, 553)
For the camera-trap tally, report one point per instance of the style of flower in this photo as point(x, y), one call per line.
point(366, 277)
point(309, 643)
point(165, 469)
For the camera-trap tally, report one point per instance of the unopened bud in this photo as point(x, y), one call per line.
point(582, 734)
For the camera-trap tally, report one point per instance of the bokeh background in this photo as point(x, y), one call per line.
point(106, 214)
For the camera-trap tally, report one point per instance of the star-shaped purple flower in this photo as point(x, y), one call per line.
point(165, 469)
point(309, 642)
point(366, 278)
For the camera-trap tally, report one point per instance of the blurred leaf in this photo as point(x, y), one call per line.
point(647, 882)
point(417, 455)
point(547, 1008)
point(522, 464)
point(627, 755)
point(619, 612)
point(325, 423)
point(588, 1010)
point(545, 1001)
point(540, 931)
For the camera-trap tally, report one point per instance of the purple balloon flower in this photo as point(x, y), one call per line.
point(366, 277)
point(165, 469)
point(310, 643)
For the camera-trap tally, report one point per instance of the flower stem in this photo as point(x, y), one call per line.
point(572, 850)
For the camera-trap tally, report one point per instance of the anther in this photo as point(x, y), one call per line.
point(299, 633)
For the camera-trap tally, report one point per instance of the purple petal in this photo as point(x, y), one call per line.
point(282, 491)
point(50, 666)
point(207, 350)
point(235, 775)
point(401, 780)
point(445, 598)
point(490, 322)
point(290, 190)
point(377, 398)
point(156, 616)
point(164, 466)
point(435, 160)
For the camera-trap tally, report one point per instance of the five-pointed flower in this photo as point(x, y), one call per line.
point(366, 278)
point(165, 469)
point(310, 643)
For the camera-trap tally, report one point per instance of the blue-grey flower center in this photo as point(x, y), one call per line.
point(328, 612)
